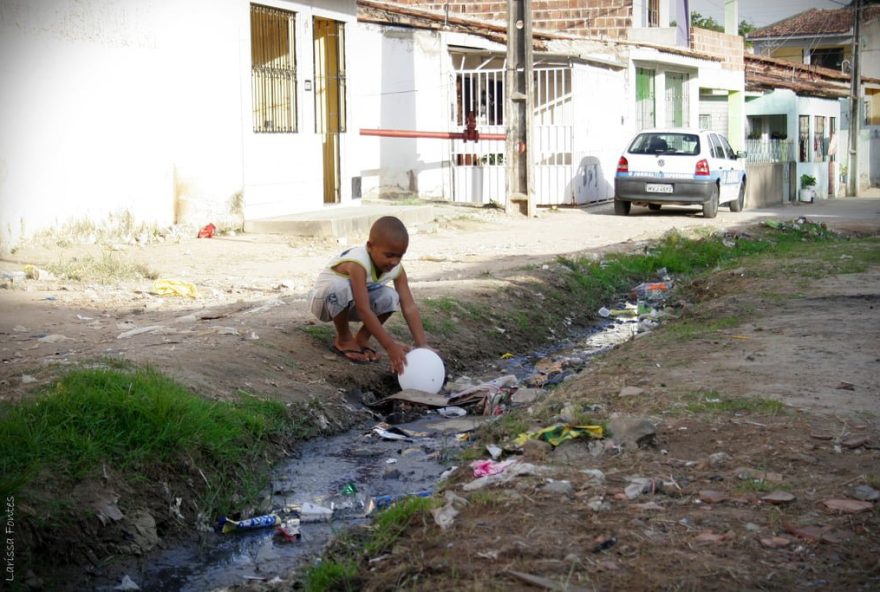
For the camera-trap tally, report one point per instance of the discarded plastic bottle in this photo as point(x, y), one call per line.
point(254, 523)
point(380, 502)
point(309, 512)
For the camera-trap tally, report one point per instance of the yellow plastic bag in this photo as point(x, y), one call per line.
point(174, 288)
point(561, 432)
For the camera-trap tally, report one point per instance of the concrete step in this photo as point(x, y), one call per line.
point(340, 221)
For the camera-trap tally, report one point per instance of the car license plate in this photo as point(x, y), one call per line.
point(658, 188)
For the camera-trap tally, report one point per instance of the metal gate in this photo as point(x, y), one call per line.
point(478, 171)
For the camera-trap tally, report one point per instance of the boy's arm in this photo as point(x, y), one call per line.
point(410, 310)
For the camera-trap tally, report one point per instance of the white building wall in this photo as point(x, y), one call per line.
point(85, 126)
point(403, 81)
point(143, 107)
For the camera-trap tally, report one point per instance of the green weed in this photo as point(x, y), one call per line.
point(332, 575)
point(324, 332)
point(138, 421)
point(684, 330)
point(713, 402)
point(104, 270)
point(391, 523)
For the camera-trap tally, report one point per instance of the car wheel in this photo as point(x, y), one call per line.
point(710, 206)
point(737, 204)
point(621, 208)
point(654, 207)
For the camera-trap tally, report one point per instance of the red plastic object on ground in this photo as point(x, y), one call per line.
point(207, 231)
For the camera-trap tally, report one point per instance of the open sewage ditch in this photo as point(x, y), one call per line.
point(331, 484)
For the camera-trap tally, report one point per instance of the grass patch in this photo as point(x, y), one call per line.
point(434, 326)
point(324, 333)
point(595, 283)
point(139, 421)
point(391, 523)
point(105, 269)
point(332, 575)
point(689, 329)
point(713, 402)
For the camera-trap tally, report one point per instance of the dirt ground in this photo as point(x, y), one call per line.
point(808, 342)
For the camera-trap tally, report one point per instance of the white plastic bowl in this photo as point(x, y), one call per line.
point(424, 371)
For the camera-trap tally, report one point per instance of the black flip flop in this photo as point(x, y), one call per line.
point(369, 351)
point(344, 353)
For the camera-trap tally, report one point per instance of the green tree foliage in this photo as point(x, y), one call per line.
point(707, 22)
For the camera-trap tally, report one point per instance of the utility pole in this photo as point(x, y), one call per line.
point(855, 99)
point(518, 107)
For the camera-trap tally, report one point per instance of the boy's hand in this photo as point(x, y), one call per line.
point(397, 356)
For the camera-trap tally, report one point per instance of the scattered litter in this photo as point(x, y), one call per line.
point(604, 312)
point(164, 287)
point(127, 584)
point(651, 290)
point(27, 379)
point(494, 451)
point(20, 329)
point(139, 331)
point(483, 468)
point(207, 231)
point(506, 356)
point(227, 525)
point(640, 485)
point(309, 512)
point(380, 502)
point(83, 317)
point(595, 475)
point(559, 433)
point(445, 515)
point(288, 531)
point(390, 461)
point(387, 432)
point(419, 397)
point(452, 411)
point(516, 469)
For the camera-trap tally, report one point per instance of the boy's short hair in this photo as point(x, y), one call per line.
point(388, 228)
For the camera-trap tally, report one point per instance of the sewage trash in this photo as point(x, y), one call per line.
point(561, 432)
point(227, 525)
point(288, 531)
point(207, 231)
point(380, 502)
point(164, 287)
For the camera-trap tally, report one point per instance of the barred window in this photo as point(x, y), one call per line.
point(273, 69)
point(819, 146)
point(803, 138)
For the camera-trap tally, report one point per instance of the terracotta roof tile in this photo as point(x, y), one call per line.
point(816, 21)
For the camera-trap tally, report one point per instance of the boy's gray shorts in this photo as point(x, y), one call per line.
point(332, 295)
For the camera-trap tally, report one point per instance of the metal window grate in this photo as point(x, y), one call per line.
point(273, 70)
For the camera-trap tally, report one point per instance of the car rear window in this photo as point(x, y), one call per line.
point(669, 143)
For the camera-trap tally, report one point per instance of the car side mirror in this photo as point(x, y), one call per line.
point(741, 154)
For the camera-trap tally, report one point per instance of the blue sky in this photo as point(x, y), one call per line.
point(762, 12)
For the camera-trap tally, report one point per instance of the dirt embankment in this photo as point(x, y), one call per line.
point(778, 332)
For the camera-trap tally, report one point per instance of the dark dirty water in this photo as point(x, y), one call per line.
point(323, 467)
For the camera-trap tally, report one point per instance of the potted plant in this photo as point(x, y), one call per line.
point(808, 188)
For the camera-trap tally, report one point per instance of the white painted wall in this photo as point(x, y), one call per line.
point(143, 107)
point(85, 128)
point(403, 81)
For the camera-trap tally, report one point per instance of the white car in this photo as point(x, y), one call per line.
point(681, 167)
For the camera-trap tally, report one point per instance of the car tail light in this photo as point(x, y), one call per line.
point(623, 165)
point(702, 168)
